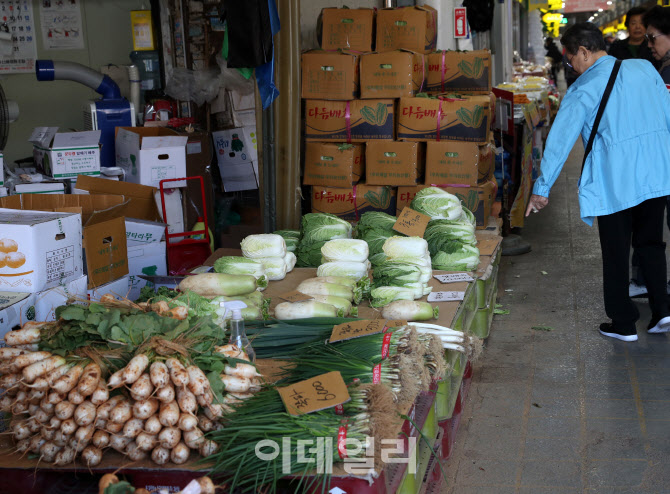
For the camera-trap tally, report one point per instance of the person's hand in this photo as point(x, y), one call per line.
point(536, 203)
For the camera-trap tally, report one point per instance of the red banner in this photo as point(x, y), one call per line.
point(584, 6)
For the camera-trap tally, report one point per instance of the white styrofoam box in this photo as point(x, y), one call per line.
point(173, 209)
point(147, 157)
point(3, 192)
point(40, 188)
point(2, 170)
point(15, 309)
point(149, 259)
point(39, 250)
point(118, 289)
point(239, 177)
point(140, 232)
point(66, 154)
point(48, 301)
point(236, 146)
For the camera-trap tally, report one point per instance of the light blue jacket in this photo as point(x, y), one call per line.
point(630, 159)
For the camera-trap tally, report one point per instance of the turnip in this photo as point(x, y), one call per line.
point(37, 369)
point(20, 430)
point(145, 409)
point(65, 383)
point(48, 434)
point(153, 425)
point(100, 439)
point(186, 401)
point(54, 423)
point(160, 455)
point(303, 310)
point(205, 399)
point(100, 395)
point(10, 380)
point(113, 427)
point(206, 485)
point(29, 358)
point(48, 451)
point(232, 351)
point(65, 456)
point(165, 394)
point(169, 437)
point(32, 347)
point(146, 442)
point(179, 454)
point(235, 384)
point(197, 380)
point(35, 396)
point(58, 372)
point(26, 336)
point(68, 426)
point(135, 453)
point(89, 380)
point(85, 414)
point(187, 422)
point(142, 387)
point(46, 406)
point(6, 403)
point(193, 438)
point(11, 353)
point(121, 413)
point(410, 310)
point(41, 416)
point(33, 425)
point(178, 372)
point(64, 410)
point(242, 370)
point(119, 442)
point(91, 456)
point(208, 448)
point(75, 397)
point(82, 437)
point(135, 368)
point(159, 375)
point(60, 439)
point(36, 442)
point(22, 446)
point(133, 427)
point(180, 313)
point(55, 397)
point(212, 285)
point(205, 424)
point(116, 379)
point(103, 410)
point(39, 384)
point(107, 480)
point(169, 414)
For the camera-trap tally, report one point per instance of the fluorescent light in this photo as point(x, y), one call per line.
point(563, 5)
point(609, 2)
point(600, 10)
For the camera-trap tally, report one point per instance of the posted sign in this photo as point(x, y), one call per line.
point(460, 23)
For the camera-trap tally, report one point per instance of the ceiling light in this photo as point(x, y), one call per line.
point(600, 10)
point(609, 2)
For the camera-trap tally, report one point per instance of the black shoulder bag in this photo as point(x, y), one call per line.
point(601, 110)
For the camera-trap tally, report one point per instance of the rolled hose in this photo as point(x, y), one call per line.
point(49, 70)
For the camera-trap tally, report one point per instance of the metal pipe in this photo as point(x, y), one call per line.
point(49, 70)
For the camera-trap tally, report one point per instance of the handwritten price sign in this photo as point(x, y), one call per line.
point(320, 392)
point(446, 296)
point(411, 223)
point(356, 329)
point(453, 277)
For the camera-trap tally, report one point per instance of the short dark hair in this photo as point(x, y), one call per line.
point(658, 17)
point(633, 12)
point(583, 34)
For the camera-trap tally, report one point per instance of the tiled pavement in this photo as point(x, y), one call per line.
point(565, 410)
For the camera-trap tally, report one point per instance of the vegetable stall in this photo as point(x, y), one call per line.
point(191, 379)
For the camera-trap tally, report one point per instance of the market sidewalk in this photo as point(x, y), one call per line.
point(554, 406)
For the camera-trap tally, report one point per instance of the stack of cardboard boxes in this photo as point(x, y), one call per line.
point(372, 141)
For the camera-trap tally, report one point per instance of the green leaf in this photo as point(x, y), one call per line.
point(501, 312)
point(73, 313)
point(117, 334)
point(97, 308)
point(216, 384)
point(122, 487)
point(93, 319)
point(103, 329)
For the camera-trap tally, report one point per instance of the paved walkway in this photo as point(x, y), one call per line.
point(565, 410)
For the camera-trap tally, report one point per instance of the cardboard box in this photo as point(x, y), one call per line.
point(119, 289)
point(329, 75)
point(239, 177)
point(333, 165)
point(40, 188)
point(394, 163)
point(66, 154)
point(38, 250)
point(140, 232)
point(463, 119)
point(347, 29)
point(47, 301)
point(452, 162)
point(104, 231)
point(174, 209)
point(478, 199)
point(350, 203)
point(16, 308)
point(392, 74)
point(149, 260)
point(487, 162)
point(199, 154)
point(410, 28)
point(236, 146)
point(151, 154)
point(459, 71)
point(350, 121)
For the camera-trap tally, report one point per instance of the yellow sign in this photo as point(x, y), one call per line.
point(549, 17)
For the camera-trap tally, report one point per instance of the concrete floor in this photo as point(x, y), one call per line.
point(565, 410)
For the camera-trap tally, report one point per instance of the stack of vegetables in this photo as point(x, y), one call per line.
point(116, 375)
point(344, 257)
point(291, 237)
point(263, 255)
point(317, 229)
point(450, 233)
point(375, 228)
point(332, 296)
point(404, 272)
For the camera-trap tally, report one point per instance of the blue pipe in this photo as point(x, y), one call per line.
point(48, 70)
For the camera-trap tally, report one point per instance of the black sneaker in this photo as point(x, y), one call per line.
point(606, 329)
point(659, 325)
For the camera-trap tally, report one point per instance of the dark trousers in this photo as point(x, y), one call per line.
point(638, 277)
point(644, 224)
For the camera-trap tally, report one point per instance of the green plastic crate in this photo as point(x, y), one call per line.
point(412, 482)
point(443, 397)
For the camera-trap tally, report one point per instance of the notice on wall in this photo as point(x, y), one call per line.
point(19, 54)
point(61, 24)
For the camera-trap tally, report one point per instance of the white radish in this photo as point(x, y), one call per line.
point(145, 409)
point(36, 442)
point(35, 396)
point(48, 434)
point(116, 379)
point(208, 448)
point(65, 383)
point(39, 384)
point(60, 439)
point(32, 347)
point(160, 455)
point(89, 380)
point(25, 336)
point(242, 370)
point(22, 446)
point(65, 456)
point(205, 399)
point(42, 417)
point(33, 425)
point(6, 403)
point(64, 410)
point(10, 380)
point(113, 428)
point(159, 374)
point(82, 437)
point(178, 372)
point(58, 372)
point(235, 384)
point(68, 427)
point(91, 456)
point(20, 430)
point(197, 380)
point(194, 438)
point(75, 397)
point(135, 368)
point(169, 437)
point(54, 423)
point(169, 414)
point(37, 369)
point(32, 409)
point(28, 359)
point(179, 454)
point(134, 453)
point(121, 413)
point(153, 425)
point(206, 485)
point(187, 422)
point(105, 408)
point(100, 439)
point(186, 401)
point(55, 398)
point(133, 427)
point(205, 424)
point(119, 442)
point(84, 415)
point(166, 394)
point(146, 442)
point(142, 387)
point(48, 451)
point(100, 395)
point(232, 351)
point(46, 406)
point(10, 353)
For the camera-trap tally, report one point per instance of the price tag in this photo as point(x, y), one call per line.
point(411, 223)
point(453, 277)
point(318, 393)
point(356, 329)
point(446, 296)
point(295, 296)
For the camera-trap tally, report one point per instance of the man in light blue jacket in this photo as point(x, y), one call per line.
point(626, 175)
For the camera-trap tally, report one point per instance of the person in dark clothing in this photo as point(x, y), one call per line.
point(570, 74)
point(657, 23)
point(635, 45)
point(555, 54)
